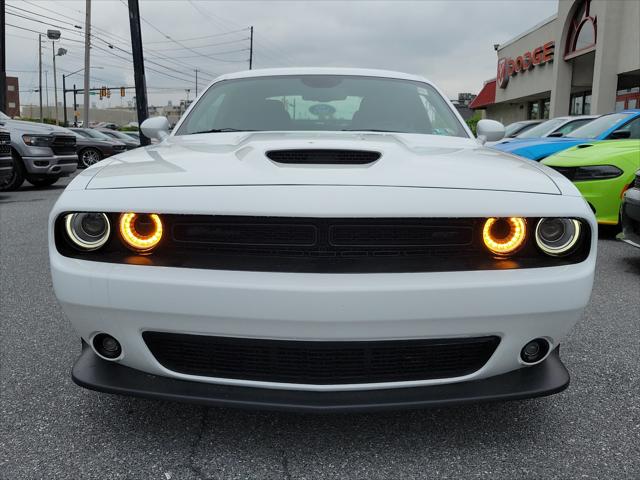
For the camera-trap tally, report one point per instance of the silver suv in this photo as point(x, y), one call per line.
point(6, 164)
point(41, 153)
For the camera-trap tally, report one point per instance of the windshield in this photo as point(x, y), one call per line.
point(322, 103)
point(598, 126)
point(4, 117)
point(542, 129)
point(118, 135)
point(93, 134)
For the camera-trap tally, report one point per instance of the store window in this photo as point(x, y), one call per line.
point(539, 109)
point(627, 98)
point(580, 104)
point(582, 31)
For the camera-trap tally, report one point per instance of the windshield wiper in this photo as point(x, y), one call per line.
point(224, 130)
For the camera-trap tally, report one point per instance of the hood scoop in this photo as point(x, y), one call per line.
point(585, 145)
point(323, 157)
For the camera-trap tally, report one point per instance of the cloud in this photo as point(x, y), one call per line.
point(450, 42)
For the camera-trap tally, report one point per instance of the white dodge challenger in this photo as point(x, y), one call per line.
point(322, 240)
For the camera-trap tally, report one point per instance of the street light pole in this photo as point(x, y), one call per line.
point(55, 80)
point(40, 74)
point(87, 61)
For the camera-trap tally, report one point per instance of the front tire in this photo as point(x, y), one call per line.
point(88, 157)
point(9, 184)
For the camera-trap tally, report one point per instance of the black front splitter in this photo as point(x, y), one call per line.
point(546, 378)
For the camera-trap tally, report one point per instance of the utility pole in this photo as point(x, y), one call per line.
point(40, 74)
point(46, 90)
point(75, 106)
point(3, 61)
point(196, 83)
point(64, 102)
point(87, 62)
point(138, 66)
point(251, 49)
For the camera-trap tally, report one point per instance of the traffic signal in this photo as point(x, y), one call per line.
point(108, 93)
point(122, 92)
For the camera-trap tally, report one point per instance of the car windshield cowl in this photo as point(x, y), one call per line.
point(223, 130)
point(329, 103)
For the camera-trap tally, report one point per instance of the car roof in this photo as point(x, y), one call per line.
point(361, 72)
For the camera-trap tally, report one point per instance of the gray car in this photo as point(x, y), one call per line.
point(41, 153)
point(93, 146)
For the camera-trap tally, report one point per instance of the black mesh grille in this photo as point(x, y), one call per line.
point(338, 157)
point(5, 143)
point(220, 233)
point(636, 183)
point(320, 362)
point(63, 145)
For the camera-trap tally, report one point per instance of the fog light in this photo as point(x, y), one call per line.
point(504, 236)
point(141, 232)
point(107, 346)
point(534, 351)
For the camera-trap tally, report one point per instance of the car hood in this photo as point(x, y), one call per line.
point(513, 144)
point(407, 160)
point(37, 128)
point(539, 148)
point(597, 153)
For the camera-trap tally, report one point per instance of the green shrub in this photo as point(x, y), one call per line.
point(473, 122)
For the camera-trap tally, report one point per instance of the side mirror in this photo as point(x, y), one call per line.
point(556, 135)
point(489, 131)
point(156, 127)
point(620, 134)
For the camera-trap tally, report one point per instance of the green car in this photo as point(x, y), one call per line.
point(602, 171)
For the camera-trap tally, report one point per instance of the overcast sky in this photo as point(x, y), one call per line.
point(449, 42)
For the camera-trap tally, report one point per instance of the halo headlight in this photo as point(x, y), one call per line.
point(87, 231)
point(504, 236)
point(141, 232)
point(557, 236)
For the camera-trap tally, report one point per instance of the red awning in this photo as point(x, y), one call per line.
point(487, 95)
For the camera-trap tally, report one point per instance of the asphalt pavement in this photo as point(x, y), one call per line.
point(52, 429)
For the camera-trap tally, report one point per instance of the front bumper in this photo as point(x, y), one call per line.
point(516, 305)
point(604, 197)
point(631, 217)
point(545, 378)
point(54, 165)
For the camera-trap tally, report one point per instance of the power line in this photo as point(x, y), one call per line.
point(201, 38)
point(109, 44)
point(171, 39)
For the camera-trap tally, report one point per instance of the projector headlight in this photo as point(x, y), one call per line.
point(141, 232)
point(87, 231)
point(504, 236)
point(557, 236)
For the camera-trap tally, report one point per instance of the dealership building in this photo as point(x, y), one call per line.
point(583, 60)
